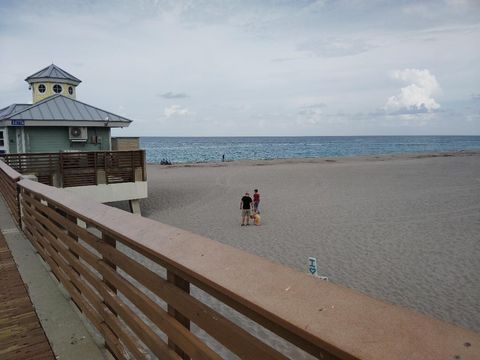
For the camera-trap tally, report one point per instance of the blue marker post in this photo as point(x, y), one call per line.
point(312, 266)
point(313, 269)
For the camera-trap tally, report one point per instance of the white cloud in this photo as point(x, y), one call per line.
point(311, 115)
point(417, 97)
point(176, 110)
point(335, 46)
point(171, 95)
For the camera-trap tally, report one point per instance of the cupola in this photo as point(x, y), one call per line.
point(50, 81)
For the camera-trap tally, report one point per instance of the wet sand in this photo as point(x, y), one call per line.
point(405, 229)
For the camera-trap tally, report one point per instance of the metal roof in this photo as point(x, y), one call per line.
point(12, 109)
point(62, 108)
point(53, 72)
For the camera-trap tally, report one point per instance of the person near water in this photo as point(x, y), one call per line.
point(256, 200)
point(245, 206)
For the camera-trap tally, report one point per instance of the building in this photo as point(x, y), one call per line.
point(56, 120)
point(60, 141)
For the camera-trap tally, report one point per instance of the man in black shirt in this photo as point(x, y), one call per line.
point(245, 205)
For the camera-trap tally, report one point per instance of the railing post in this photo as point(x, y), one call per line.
point(50, 169)
point(105, 166)
point(95, 167)
point(132, 162)
point(109, 241)
point(184, 286)
point(144, 164)
point(60, 163)
point(75, 221)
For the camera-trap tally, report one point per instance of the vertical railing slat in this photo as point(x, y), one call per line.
point(110, 241)
point(185, 287)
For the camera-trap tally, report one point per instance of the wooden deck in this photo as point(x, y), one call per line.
point(21, 335)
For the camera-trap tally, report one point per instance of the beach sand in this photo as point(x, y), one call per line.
point(404, 229)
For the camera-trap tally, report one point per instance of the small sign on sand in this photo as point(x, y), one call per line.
point(313, 269)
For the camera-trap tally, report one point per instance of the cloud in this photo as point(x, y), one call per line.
point(417, 97)
point(311, 110)
point(170, 95)
point(176, 110)
point(224, 62)
point(335, 47)
point(311, 114)
point(284, 59)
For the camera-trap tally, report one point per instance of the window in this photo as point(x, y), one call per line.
point(41, 88)
point(3, 141)
point(57, 89)
point(70, 90)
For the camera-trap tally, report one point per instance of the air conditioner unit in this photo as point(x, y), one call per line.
point(76, 133)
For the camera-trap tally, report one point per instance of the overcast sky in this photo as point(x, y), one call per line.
point(213, 68)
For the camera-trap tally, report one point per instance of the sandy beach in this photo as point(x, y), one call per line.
point(405, 229)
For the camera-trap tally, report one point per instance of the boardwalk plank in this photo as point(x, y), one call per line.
point(21, 335)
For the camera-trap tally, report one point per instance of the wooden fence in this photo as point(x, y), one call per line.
point(140, 283)
point(68, 169)
point(43, 165)
point(8, 188)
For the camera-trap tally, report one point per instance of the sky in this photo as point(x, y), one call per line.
point(261, 68)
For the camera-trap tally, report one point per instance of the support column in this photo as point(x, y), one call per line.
point(135, 207)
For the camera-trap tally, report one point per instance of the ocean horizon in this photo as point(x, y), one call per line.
point(212, 148)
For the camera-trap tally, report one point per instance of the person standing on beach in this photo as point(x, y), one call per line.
point(245, 205)
point(256, 200)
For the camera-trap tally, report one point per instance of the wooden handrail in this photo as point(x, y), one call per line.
point(8, 187)
point(326, 320)
point(11, 173)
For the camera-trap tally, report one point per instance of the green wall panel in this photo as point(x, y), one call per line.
point(54, 139)
point(12, 146)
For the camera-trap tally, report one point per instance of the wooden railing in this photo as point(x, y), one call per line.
point(68, 169)
point(43, 165)
point(149, 288)
point(8, 188)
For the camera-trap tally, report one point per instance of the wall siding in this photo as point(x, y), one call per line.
point(12, 138)
point(54, 139)
point(38, 96)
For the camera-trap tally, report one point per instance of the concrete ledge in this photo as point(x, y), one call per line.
point(112, 192)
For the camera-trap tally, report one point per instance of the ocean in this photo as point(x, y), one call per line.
point(209, 149)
